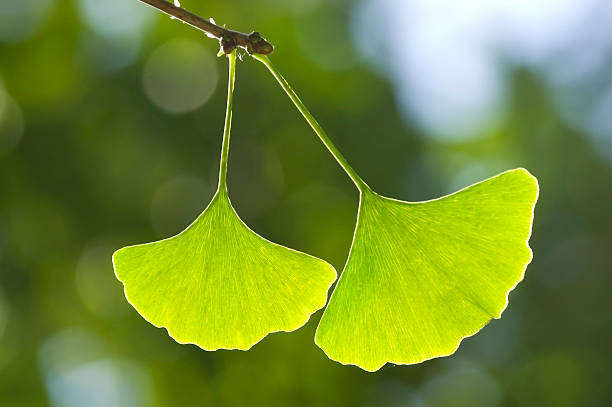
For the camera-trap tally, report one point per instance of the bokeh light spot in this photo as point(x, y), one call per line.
point(96, 283)
point(21, 19)
point(331, 30)
point(115, 17)
point(498, 341)
point(177, 203)
point(180, 76)
point(464, 384)
point(11, 121)
point(77, 372)
point(109, 53)
point(118, 28)
point(450, 68)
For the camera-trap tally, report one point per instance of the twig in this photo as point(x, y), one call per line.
point(253, 43)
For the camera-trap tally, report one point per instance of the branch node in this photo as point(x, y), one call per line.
point(228, 43)
point(253, 43)
point(258, 44)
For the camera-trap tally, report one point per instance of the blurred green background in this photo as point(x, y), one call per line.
point(110, 128)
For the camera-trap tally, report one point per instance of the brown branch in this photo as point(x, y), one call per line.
point(253, 43)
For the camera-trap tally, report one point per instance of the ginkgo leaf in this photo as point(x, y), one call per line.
point(422, 276)
point(218, 284)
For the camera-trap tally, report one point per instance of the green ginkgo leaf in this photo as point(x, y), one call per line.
point(422, 276)
point(218, 284)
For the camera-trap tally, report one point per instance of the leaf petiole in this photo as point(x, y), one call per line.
point(228, 123)
point(359, 183)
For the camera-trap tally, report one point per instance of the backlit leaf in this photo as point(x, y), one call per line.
point(422, 276)
point(218, 284)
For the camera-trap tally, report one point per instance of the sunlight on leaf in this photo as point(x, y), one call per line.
point(218, 284)
point(422, 276)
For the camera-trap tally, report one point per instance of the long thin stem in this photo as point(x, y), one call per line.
point(258, 47)
point(228, 123)
point(229, 39)
point(359, 183)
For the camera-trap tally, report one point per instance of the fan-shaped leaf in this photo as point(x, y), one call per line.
point(220, 285)
point(422, 276)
